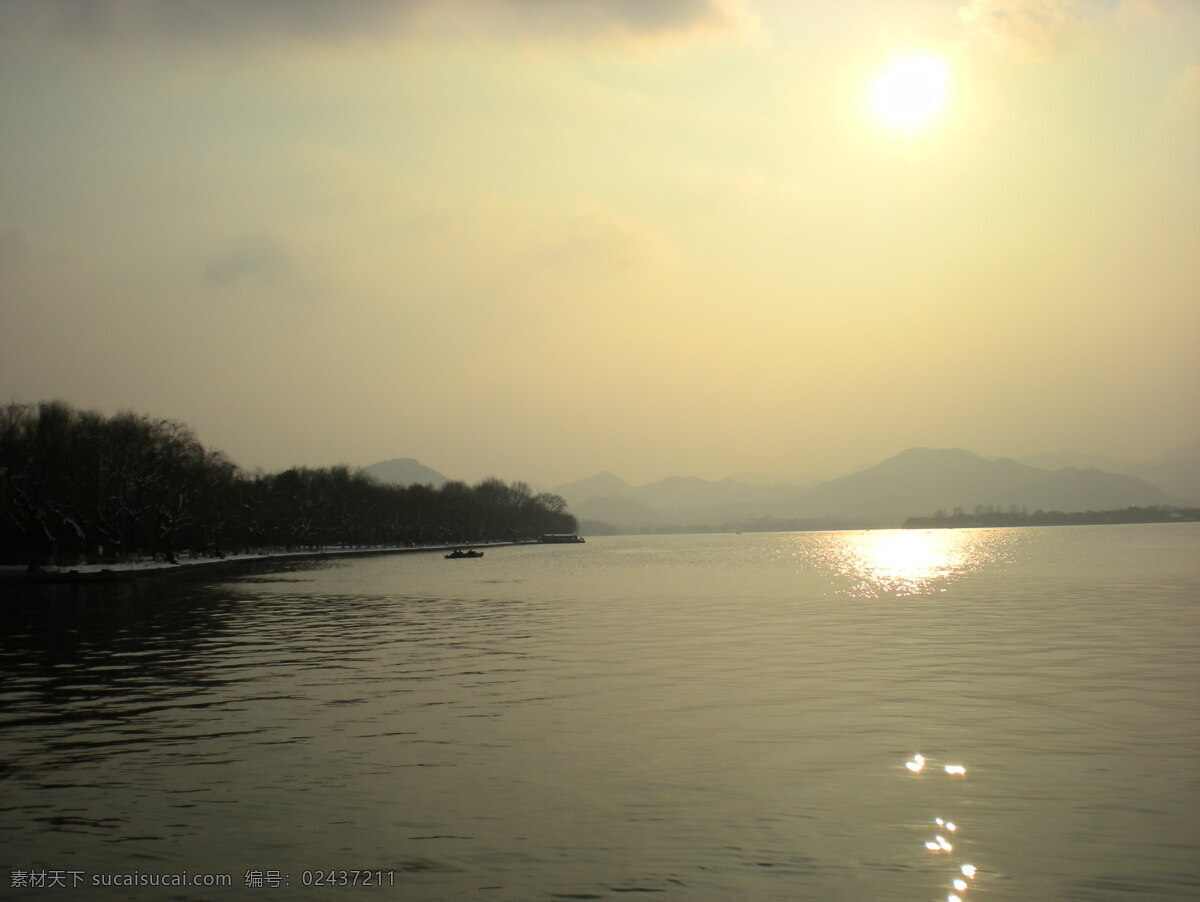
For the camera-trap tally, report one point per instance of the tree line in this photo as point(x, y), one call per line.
point(995, 517)
point(76, 484)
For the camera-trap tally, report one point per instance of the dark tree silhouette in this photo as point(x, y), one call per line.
point(78, 484)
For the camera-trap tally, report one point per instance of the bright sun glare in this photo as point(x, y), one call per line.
point(911, 90)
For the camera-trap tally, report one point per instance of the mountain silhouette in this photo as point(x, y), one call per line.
point(1063, 460)
point(405, 471)
point(916, 482)
point(602, 485)
point(1176, 472)
point(673, 501)
point(921, 481)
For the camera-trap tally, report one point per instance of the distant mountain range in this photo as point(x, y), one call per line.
point(917, 482)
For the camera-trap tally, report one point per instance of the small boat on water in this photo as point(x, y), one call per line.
point(458, 552)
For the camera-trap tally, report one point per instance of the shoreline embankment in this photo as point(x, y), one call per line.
point(134, 570)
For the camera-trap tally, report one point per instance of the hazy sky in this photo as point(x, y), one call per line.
point(541, 238)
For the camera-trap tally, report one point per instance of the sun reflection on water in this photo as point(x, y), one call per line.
point(965, 873)
point(901, 562)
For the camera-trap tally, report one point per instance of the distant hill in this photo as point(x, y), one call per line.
point(1087, 490)
point(624, 513)
point(1176, 472)
point(682, 492)
point(924, 480)
point(673, 501)
point(918, 479)
point(1067, 459)
point(405, 471)
point(602, 485)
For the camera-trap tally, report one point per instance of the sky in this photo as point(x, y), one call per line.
point(538, 239)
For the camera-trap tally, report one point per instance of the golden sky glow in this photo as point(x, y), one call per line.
point(540, 240)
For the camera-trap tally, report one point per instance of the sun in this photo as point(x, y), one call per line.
point(911, 91)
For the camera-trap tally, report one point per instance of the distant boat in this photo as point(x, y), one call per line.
point(458, 552)
point(561, 538)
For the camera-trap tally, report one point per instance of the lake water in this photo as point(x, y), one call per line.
point(672, 717)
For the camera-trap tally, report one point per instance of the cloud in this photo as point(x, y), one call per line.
point(637, 17)
point(326, 21)
point(1027, 29)
point(202, 20)
point(250, 258)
